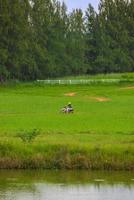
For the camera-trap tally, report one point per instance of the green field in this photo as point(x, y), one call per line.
point(99, 135)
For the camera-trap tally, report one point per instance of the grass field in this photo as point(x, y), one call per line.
point(99, 135)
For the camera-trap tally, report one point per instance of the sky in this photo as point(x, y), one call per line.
point(80, 4)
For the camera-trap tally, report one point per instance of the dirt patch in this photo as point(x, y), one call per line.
point(127, 88)
point(99, 99)
point(71, 94)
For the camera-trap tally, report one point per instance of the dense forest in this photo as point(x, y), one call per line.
point(40, 39)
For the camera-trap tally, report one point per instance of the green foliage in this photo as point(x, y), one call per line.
point(39, 39)
point(28, 136)
point(4, 74)
point(108, 37)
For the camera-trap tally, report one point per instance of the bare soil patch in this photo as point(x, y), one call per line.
point(71, 94)
point(99, 99)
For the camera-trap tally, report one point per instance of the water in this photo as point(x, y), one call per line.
point(63, 185)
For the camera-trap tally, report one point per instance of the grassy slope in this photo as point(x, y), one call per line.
point(98, 135)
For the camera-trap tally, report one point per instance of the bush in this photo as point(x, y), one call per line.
point(28, 136)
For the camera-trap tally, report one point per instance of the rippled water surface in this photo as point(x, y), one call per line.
point(63, 185)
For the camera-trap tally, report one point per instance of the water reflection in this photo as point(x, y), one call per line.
point(63, 185)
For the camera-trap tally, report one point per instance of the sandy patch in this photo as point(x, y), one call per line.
point(71, 94)
point(99, 99)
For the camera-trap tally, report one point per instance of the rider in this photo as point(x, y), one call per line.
point(69, 107)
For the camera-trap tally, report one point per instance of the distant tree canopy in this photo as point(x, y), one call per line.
point(39, 39)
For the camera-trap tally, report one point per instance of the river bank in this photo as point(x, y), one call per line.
point(59, 152)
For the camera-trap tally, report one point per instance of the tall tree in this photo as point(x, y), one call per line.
point(17, 35)
point(76, 42)
point(4, 25)
point(91, 37)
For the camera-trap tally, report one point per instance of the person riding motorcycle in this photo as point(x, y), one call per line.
point(69, 107)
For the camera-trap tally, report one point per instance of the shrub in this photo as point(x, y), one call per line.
point(28, 136)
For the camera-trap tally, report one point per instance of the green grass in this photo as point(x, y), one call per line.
point(99, 135)
point(120, 76)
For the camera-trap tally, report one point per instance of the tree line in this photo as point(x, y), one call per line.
point(40, 39)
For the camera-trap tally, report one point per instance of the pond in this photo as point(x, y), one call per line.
point(66, 185)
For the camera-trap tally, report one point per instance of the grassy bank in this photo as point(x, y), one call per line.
point(67, 152)
point(99, 135)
